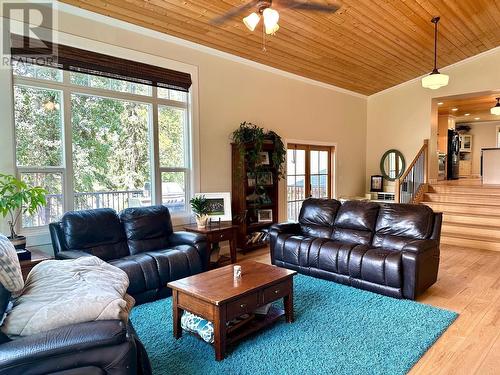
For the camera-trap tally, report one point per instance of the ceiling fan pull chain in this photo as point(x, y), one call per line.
point(264, 49)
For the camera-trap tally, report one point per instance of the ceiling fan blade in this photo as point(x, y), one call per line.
point(234, 12)
point(308, 5)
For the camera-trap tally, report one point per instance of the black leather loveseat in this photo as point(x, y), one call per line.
point(100, 347)
point(392, 249)
point(140, 241)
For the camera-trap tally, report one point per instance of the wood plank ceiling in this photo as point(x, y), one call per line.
point(468, 109)
point(366, 46)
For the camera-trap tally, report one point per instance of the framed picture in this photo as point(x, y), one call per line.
point(377, 183)
point(265, 216)
point(219, 205)
point(265, 179)
point(251, 180)
point(264, 158)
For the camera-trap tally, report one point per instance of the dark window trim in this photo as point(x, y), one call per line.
point(88, 62)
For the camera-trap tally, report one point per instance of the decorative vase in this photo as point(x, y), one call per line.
point(201, 221)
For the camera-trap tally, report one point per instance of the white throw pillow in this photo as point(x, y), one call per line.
point(63, 292)
point(10, 269)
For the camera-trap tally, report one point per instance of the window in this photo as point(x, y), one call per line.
point(309, 174)
point(91, 141)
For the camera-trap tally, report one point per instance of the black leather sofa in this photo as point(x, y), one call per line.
point(101, 347)
point(140, 241)
point(392, 249)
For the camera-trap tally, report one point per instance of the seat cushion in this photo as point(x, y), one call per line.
point(355, 222)
point(398, 224)
point(141, 270)
point(98, 232)
point(317, 216)
point(310, 252)
point(146, 228)
point(176, 263)
point(376, 265)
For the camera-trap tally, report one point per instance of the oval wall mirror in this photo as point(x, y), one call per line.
point(392, 165)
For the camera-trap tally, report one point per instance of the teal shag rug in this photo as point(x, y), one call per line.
point(337, 330)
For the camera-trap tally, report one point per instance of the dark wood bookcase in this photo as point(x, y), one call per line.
point(249, 197)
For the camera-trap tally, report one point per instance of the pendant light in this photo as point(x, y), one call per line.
point(435, 80)
point(496, 109)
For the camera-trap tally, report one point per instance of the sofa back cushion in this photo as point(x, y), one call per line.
point(97, 232)
point(147, 228)
point(398, 224)
point(355, 222)
point(317, 216)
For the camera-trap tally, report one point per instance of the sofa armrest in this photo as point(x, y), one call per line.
point(51, 351)
point(198, 241)
point(283, 228)
point(72, 254)
point(291, 228)
point(420, 246)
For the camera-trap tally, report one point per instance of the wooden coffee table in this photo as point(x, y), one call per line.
point(218, 297)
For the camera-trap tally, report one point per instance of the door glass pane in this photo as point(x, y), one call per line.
point(171, 129)
point(173, 192)
point(296, 169)
point(110, 152)
point(38, 119)
point(323, 162)
point(314, 162)
point(53, 210)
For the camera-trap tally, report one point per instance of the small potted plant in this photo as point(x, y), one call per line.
point(17, 197)
point(200, 207)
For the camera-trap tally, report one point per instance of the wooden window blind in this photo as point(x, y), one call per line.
point(24, 49)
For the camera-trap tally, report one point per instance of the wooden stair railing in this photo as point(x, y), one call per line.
point(414, 182)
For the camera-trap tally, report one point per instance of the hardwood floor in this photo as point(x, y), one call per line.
point(469, 284)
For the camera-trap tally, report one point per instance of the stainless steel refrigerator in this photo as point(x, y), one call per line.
point(453, 154)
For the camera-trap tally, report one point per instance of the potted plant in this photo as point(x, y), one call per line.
point(254, 136)
point(17, 197)
point(200, 207)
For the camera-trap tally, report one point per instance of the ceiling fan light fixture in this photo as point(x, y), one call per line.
point(273, 30)
point(251, 21)
point(435, 80)
point(496, 109)
point(271, 18)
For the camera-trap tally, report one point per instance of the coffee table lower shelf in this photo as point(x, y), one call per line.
point(256, 324)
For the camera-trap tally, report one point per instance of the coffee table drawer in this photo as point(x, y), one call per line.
point(242, 305)
point(276, 291)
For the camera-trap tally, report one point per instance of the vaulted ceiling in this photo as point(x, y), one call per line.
point(366, 46)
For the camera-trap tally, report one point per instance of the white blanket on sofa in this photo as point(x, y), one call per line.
point(63, 292)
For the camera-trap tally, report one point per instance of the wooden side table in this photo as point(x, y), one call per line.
point(37, 256)
point(216, 233)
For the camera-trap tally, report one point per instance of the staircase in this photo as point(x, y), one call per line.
point(471, 213)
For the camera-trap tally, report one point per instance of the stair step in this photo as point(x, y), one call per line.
point(471, 219)
point(465, 241)
point(481, 190)
point(463, 198)
point(472, 231)
point(469, 208)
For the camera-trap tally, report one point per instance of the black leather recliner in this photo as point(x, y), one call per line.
point(392, 249)
point(100, 347)
point(140, 241)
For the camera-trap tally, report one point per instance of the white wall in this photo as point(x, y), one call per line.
point(484, 134)
point(231, 90)
point(403, 116)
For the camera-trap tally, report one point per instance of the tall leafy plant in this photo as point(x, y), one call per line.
point(17, 197)
point(250, 139)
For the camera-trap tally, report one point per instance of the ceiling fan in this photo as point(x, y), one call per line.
point(268, 9)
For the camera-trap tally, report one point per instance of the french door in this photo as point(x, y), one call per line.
point(309, 174)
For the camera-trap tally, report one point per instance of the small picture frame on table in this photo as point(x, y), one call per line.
point(265, 216)
point(377, 183)
point(219, 206)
